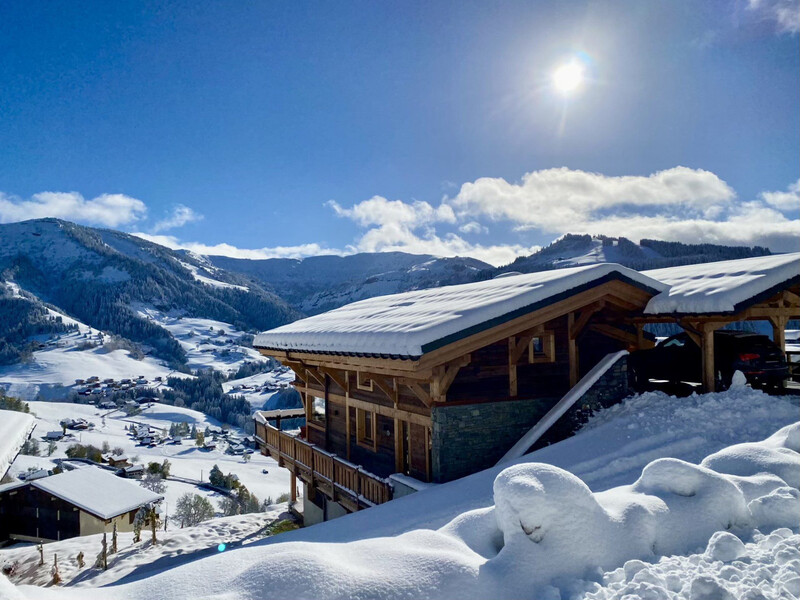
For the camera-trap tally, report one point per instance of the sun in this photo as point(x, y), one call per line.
point(568, 78)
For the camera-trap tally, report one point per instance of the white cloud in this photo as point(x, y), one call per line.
point(380, 211)
point(473, 227)
point(110, 210)
point(562, 200)
point(300, 251)
point(679, 204)
point(787, 200)
point(181, 215)
point(785, 13)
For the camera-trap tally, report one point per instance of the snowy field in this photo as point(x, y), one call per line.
point(207, 343)
point(260, 388)
point(187, 460)
point(14, 430)
point(667, 475)
point(171, 546)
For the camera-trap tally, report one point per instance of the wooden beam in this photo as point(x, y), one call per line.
point(572, 348)
point(693, 330)
point(779, 331)
point(386, 387)
point(316, 375)
point(389, 411)
point(451, 370)
point(707, 348)
point(398, 445)
point(586, 314)
point(790, 298)
point(615, 333)
point(340, 378)
point(525, 322)
point(420, 393)
point(512, 367)
point(299, 370)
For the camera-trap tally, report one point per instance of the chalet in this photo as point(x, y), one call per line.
point(433, 385)
point(53, 436)
point(70, 504)
point(117, 460)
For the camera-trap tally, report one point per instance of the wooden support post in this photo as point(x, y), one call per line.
point(398, 445)
point(639, 336)
point(347, 423)
point(293, 490)
point(572, 346)
point(512, 367)
point(779, 331)
point(707, 349)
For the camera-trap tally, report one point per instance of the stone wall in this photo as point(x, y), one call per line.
point(469, 438)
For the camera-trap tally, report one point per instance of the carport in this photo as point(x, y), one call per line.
point(703, 298)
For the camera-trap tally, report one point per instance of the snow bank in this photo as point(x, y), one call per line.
point(765, 569)
point(546, 533)
point(15, 427)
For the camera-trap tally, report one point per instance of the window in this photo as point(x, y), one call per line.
point(365, 428)
point(318, 410)
point(542, 348)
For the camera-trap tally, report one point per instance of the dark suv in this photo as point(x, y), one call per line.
point(678, 359)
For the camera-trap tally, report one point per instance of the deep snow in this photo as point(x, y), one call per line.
point(539, 530)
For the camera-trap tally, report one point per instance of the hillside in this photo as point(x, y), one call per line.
point(573, 250)
point(97, 277)
point(320, 283)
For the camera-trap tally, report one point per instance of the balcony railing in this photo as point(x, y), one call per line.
point(340, 480)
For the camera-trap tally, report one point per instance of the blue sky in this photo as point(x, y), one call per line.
point(290, 129)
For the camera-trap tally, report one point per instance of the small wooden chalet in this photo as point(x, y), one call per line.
point(85, 501)
point(433, 385)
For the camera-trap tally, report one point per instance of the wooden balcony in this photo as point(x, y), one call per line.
point(340, 480)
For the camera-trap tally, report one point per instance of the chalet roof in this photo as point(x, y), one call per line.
point(410, 324)
point(723, 287)
point(97, 491)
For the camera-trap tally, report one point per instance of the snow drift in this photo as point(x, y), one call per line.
point(545, 531)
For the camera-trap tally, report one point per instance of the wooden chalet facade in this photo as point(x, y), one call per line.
point(457, 402)
point(71, 504)
point(456, 408)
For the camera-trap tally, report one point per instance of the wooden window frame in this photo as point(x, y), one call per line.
point(364, 383)
point(548, 354)
point(371, 443)
point(311, 421)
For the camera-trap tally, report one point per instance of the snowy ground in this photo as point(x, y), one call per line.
point(187, 460)
point(172, 546)
point(207, 343)
point(53, 370)
point(258, 389)
point(535, 530)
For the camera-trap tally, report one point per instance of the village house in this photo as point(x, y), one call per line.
point(436, 384)
point(81, 502)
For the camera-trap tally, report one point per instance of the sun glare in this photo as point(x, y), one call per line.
point(568, 78)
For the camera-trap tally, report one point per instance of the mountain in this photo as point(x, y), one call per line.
point(98, 276)
point(320, 283)
point(574, 250)
point(52, 271)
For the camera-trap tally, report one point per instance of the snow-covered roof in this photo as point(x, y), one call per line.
point(410, 324)
point(722, 287)
point(97, 491)
point(15, 428)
